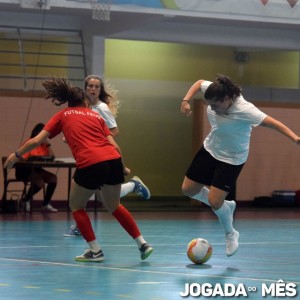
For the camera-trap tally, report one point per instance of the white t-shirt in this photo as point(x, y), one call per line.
point(103, 110)
point(229, 138)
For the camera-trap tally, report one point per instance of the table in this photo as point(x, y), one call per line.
point(68, 163)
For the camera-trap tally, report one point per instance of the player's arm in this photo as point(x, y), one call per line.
point(193, 90)
point(29, 145)
point(272, 123)
point(109, 119)
point(114, 131)
point(113, 142)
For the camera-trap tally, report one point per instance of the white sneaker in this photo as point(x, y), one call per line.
point(232, 242)
point(49, 208)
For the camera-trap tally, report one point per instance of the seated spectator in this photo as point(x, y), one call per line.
point(40, 176)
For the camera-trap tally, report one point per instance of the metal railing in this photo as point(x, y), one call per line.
point(29, 55)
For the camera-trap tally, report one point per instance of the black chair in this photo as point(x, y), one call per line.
point(15, 190)
point(11, 185)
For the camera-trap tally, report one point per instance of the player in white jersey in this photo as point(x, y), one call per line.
point(217, 165)
point(103, 100)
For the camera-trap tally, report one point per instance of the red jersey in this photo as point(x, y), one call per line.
point(85, 132)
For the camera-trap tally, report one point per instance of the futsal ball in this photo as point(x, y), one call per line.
point(199, 251)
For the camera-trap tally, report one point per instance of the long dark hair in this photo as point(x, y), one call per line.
point(61, 91)
point(37, 129)
point(223, 86)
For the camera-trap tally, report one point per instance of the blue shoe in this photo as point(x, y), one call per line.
point(73, 231)
point(140, 188)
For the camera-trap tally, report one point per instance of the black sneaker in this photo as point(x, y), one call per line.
point(146, 251)
point(89, 255)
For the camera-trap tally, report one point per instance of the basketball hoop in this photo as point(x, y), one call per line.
point(101, 9)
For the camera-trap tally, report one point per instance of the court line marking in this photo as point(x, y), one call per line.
point(153, 244)
point(145, 271)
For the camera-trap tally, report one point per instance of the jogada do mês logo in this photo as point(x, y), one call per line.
point(274, 289)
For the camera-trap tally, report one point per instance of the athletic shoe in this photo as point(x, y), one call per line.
point(146, 251)
point(232, 242)
point(140, 188)
point(73, 231)
point(49, 208)
point(89, 255)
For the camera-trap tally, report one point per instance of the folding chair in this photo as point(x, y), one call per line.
point(15, 183)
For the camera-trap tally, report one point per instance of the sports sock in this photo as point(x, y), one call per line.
point(84, 224)
point(127, 188)
point(202, 195)
point(126, 220)
point(140, 241)
point(94, 246)
point(225, 217)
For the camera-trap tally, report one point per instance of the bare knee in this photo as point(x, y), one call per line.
point(190, 188)
point(188, 191)
point(75, 206)
point(216, 197)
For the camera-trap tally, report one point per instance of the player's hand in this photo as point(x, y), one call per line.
point(186, 108)
point(297, 141)
point(10, 161)
point(127, 171)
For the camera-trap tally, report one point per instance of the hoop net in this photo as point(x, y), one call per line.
point(101, 9)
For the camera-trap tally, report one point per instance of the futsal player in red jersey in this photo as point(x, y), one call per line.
point(98, 164)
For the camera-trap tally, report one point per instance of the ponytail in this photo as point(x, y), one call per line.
point(61, 91)
point(223, 86)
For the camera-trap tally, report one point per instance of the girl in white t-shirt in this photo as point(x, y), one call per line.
point(102, 98)
point(217, 165)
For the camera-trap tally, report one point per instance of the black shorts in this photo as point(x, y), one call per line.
point(207, 170)
point(107, 172)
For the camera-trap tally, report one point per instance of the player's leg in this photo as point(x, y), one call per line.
point(195, 190)
point(199, 175)
point(205, 169)
point(137, 186)
point(224, 211)
point(134, 185)
point(111, 200)
point(51, 180)
point(78, 200)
